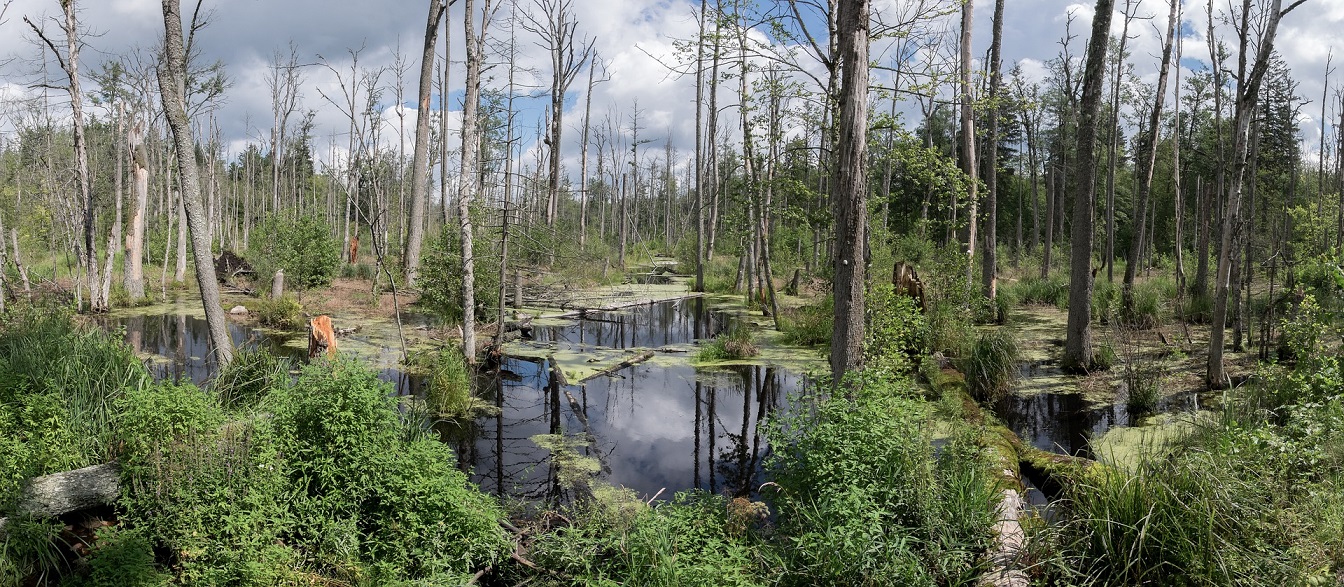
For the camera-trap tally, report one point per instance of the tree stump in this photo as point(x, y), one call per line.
point(321, 337)
point(278, 285)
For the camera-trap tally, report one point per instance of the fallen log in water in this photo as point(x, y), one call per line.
point(640, 358)
point(69, 491)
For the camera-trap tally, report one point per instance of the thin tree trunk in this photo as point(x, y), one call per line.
point(1148, 154)
point(968, 139)
point(172, 75)
point(420, 159)
point(990, 256)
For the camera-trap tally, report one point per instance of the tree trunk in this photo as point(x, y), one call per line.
point(1247, 96)
point(469, 184)
point(1148, 153)
point(420, 159)
point(990, 256)
point(1114, 146)
point(1078, 354)
point(850, 195)
point(172, 75)
point(968, 139)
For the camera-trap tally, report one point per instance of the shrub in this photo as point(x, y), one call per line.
point(440, 279)
point(862, 500)
point(690, 540)
point(303, 247)
point(991, 365)
point(896, 333)
point(283, 313)
point(362, 492)
point(122, 558)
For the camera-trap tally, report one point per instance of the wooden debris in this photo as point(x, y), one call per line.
point(321, 337)
point(69, 491)
point(640, 358)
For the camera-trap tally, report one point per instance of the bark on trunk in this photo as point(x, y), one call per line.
point(850, 195)
point(1078, 354)
point(420, 159)
point(171, 86)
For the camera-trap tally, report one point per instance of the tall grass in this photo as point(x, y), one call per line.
point(991, 365)
point(82, 369)
point(248, 377)
point(1052, 291)
point(730, 345)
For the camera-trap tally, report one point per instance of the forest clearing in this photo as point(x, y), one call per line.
point(671, 293)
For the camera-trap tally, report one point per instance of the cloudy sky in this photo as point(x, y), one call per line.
point(634, 37)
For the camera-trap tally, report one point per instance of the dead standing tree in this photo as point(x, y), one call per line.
point(851, 190)
point(420, 159)
point(554, 23)
point(1248, 92)
point(69, 63)
point(172, 87)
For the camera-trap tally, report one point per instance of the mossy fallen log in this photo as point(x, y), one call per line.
point(69, 491)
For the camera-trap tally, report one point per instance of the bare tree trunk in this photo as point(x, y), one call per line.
point(69, 62)
point(1148, 155)
point(968, 139)
point(172, 75)
point(1111, 149)
point(1247, 95)
point(1078, 353)
point(991, 254)
point(583, 157)
point(850, 194)
point(469, 185)
point(420, 160)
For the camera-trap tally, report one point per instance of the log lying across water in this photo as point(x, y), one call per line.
point(69, 491)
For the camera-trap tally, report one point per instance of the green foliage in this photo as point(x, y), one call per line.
point(1052, 291)
point(303, 247)
point(284, 313)
point(212, 495)
point(1148, 308)
point(862, 500)
point(248, 377)
point(691, 540)
point(358, 271)
point(808, 325)
point(1105, 301)
point(28, 548)
point(440, 279)
point(991, 365)
point(449, 391)
point(362, 492)
point(58, 384)
point(1300, 336)
point(122, 558)
point(896, 333)
point(730, 345)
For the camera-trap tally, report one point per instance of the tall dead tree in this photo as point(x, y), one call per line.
point(172, 86)
point(1078, 354)
point(1248, 92)
point(968, 137)
point(469, 178)
point(850, 195)
point(420, 160)
point(1148, 161)
point(554, 23)
point(990, 255)
point(283, 81)
point(69, 63)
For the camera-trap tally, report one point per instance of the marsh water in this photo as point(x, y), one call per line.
point(660, 425)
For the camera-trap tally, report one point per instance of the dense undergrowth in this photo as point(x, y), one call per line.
point(323, 479)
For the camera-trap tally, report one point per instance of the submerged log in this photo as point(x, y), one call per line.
point(69, 491)
point(640, 358)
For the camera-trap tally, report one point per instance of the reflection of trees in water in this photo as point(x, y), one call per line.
point(739, 461)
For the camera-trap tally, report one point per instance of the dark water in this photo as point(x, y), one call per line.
point(652, 427)
point(1066, 422)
